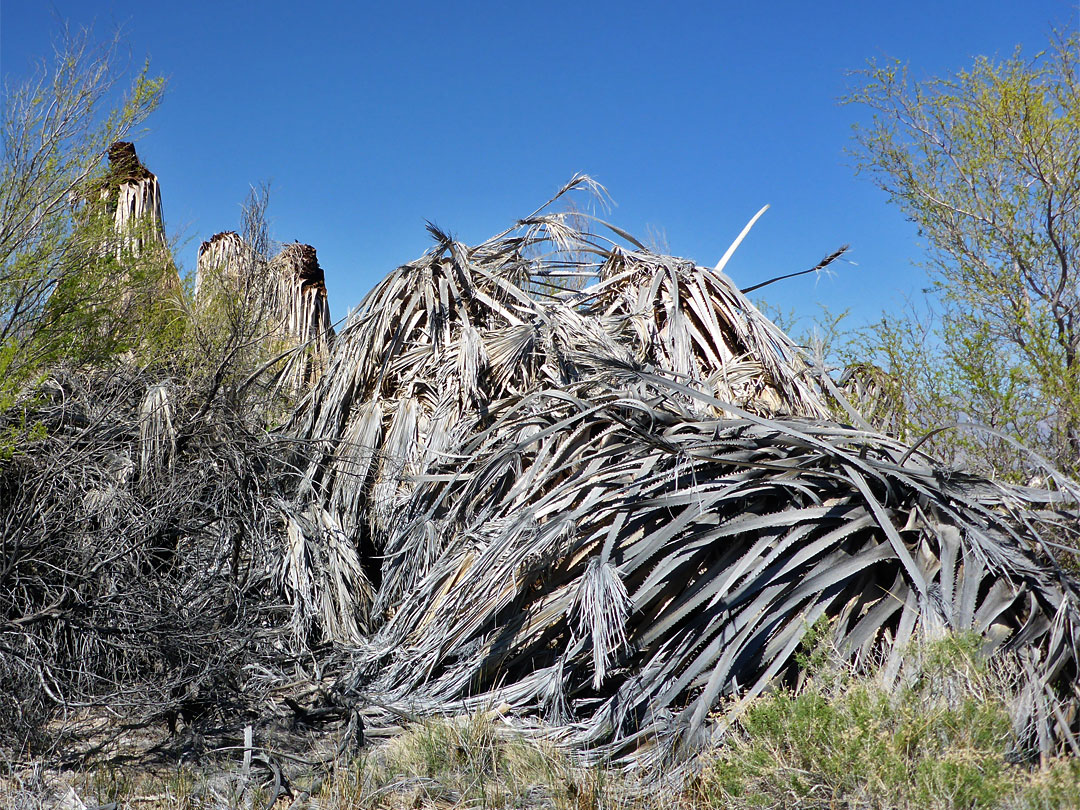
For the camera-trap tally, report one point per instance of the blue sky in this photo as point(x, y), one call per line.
point(368, 119)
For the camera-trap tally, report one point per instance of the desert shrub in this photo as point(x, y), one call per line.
point(941, 737)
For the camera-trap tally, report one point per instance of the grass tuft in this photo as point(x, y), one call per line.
point(942, 738)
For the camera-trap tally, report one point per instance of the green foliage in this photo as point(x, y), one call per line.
point(987, 164)
point(942, 739)
point(813, 649)
point(68, 291)
point(1056, 787)
point(112, 302)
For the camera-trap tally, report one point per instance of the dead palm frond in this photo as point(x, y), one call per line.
point(622, 507)
point(157, 433)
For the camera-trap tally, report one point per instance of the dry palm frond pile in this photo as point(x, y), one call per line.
point(621, 508)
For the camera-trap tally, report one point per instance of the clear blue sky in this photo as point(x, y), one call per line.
point(369, 118)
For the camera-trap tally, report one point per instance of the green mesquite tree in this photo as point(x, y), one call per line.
point(56, 128)
point(987, 164)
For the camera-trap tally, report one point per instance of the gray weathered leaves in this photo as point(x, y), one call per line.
point(619, 506)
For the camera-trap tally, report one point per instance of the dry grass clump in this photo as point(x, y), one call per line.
point(457, 762)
